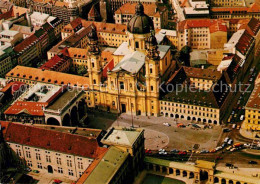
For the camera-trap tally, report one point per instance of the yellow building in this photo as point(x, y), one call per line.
point(231, 3)
point(5, 61)
point(202, 33)
point(252, 110)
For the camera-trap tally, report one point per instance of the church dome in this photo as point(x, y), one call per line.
point(140, 23)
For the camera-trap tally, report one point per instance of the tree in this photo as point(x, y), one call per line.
point(185, 55)
point(81, 70)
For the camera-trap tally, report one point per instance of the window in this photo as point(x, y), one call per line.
point(29, 163)
point(60, 170)
point(80, 174)
point(122, 85)
point(94, 81)
point(18, 152)
point(28, 154)
point(39, 165)
point(151, 70)
point(69, 163)
point(80, 165)
point(151, 88)
point(48, 158)
point(70, 172)
point(58, 160)
point(38, 156)
point(93, 65)
point(137, 45)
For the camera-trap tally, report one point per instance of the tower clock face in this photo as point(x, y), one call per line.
point(92, 59)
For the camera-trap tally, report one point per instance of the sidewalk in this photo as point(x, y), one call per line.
point(248, 134)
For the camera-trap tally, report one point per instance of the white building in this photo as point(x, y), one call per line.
point(38, 19)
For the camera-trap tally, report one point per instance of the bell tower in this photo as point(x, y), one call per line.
point(152, 75)
point(94, 59)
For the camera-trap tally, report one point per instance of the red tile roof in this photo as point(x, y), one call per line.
point(53, 140)
point(93, 12)
point(14, 85)
point(213, 24)
point(6, 15)
point(28, 42)
point(252, 26)
point(55, 62)
point(32, 108)
point(244, 42)
point(109, 66)
point(254, 8)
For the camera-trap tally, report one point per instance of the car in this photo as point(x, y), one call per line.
point(161, 150)
point(218, 148)
point(226, 139)
point(235, 115)
point(212, 151)
point(233, 112)
point(174, 151)
point(238, 127)
point(226, 130)
point(182, 153)
point(229, 165)
point(237, 145)
point(233, 149)
point(251, 79)
point(230, 141)
point(246, 145)
point(242, 117)
point(167, 124)
point(234, 126)
point(238, 102)
point(219, 158)
point(223, 145)
point(197, 152)
point(228, 148)
point(252, 162)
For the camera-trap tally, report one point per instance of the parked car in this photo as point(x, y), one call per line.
point(219, 158)
point(252, 162)
point(242, 117)
point(182, 153)
point(226, 139)
point(174, 151)
point(228, 148)
point(229, 165)
point(251, 79)
point(230, 141)
point(234, 126)
point(212, 151)
point(233, 149)
point(167, 124)
point(238, 127)
point(226, 130)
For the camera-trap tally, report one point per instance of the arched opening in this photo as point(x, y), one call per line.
point(199, 119)
point(164, 169)
point(204, 120)
point(188, 118)
point(191, 175)
point(182, 117)
point(170, 171)
point(184, 174)
point(66, 120)
point(215, 122)
point(238, 182)
point(194, 119)
point(50, 169)
point(82, 108)
point(210, 121)
point(203, 175)
point(157, 168)
point(53, 121)
point(178, 172)
point(230, 182)
point(171, 115)
point(216, 180)
point(166, 114)
point(177, 116)
point(223, 181)
point(74, 116)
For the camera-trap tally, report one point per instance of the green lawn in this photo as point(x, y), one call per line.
point(154, 179)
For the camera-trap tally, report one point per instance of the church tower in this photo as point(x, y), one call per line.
point(94, 59)
point(152, 75)
point(138, 29)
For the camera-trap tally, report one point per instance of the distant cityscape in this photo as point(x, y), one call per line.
point(130, 91)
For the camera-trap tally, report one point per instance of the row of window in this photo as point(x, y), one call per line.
point(190, 112)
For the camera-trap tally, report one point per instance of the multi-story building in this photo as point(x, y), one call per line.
point(236, 12)
point(158, 13)
point(252, 110)
point(202, 33)
point(228, 3)
point(193, 94)
point(53, 150)
point(6, 63)
point(38, 19)
point(59, 63)
point(108, 34)
point(10, 38)
point(140, 61)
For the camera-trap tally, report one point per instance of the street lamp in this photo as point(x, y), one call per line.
point(132, 115)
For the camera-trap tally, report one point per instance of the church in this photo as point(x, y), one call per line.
point(130, 82)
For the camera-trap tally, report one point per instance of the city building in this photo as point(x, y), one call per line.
point(202, 33)
point(252, 110)
point(38, 19)
point(10, 38)
point(6, 63)
point(236, 12)
point(54, 150)
point(193, 94)
point(197, 9)
point(228, 3)
point(59, 63)
point(156, 11)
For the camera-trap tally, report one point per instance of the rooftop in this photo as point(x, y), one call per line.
point(254, 100)
point(52, 140)
point(9, 32)
point(46, 76)
point(122, 136)
point(107, 167)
